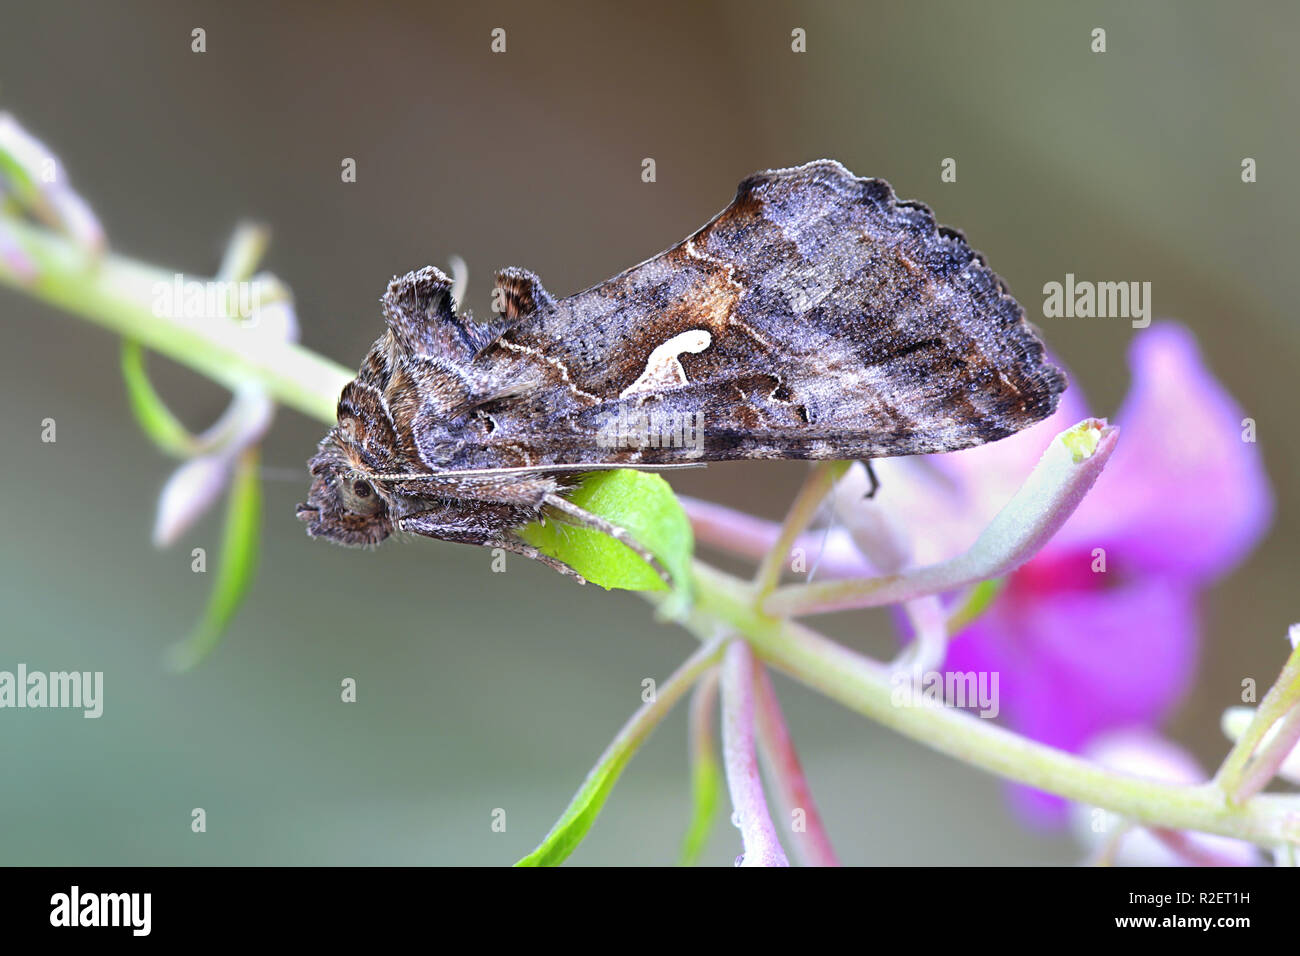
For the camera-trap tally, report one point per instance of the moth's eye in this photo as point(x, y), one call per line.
point(359, 496)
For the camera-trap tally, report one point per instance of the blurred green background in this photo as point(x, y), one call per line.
point(479, 691)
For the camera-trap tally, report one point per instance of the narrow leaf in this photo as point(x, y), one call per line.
point(586, 805)
point(239, 549)
point(152, 414)
point(706, 770)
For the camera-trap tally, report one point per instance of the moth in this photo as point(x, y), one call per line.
point(817, 316)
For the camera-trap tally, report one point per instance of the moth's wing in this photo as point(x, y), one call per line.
point(816, 316)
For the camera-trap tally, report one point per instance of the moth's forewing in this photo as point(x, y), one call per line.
point(817, 316)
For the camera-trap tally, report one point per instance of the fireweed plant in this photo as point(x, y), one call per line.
point(998, 551)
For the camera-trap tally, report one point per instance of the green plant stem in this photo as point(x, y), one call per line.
point(1280, 698)
point(865, 687)
point(706, 771)
point(118, 293)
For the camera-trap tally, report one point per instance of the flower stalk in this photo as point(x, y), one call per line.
point(1239, 777)
point(1069, 467)
point(808, 832)
point(118, 294)
point(740, 757)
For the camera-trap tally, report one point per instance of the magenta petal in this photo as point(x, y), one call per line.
point(1072, 664)
point(1183, 494)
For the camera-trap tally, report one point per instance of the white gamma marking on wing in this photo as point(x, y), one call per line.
point(662, 368)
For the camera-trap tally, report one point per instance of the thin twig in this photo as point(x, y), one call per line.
point(815, 489)
point(762, 847)
point(1280, 698)
point(1276, 749)
point(1047, 498)
point(811, 841)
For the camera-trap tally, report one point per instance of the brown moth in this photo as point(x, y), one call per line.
point(817, 316)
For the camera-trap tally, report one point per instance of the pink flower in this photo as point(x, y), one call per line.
point(1101, 629)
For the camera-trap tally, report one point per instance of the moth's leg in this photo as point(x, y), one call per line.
point(518, 546)
point(484, 526)
point(871, 475)
point(584, 518)
point(510, 489)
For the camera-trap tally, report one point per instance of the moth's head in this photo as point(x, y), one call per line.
point(345, 505)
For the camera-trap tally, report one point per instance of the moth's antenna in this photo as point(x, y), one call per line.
point(829, 502)
point(533, 470)
point(273, 473)
point(826, 536)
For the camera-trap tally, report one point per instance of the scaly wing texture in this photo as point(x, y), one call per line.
point(817, 316)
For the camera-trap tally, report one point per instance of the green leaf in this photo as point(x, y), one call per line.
point(644, 504)
point(586, 804)
point(706, 774)
point(706, 785)
point(239, 548)
point(583, 809)
point(152, 414)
